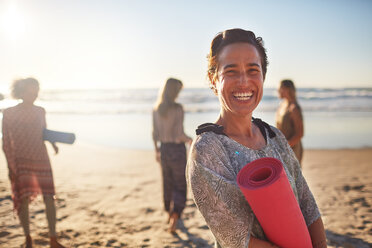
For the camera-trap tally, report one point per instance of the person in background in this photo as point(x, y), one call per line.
point(236, 70)
point(169, 140)
point(289, 117)
point(30, 171)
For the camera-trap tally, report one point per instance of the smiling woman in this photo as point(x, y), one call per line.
point(237, 68)
point(13, 24)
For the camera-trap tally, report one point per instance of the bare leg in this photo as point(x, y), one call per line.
point(173, 222)
point(28, 241)
point(24, 219)
point(51, 216)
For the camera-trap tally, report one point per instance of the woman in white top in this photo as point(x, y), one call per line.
point(169, 140)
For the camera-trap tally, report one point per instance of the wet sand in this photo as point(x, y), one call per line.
point(112, 198)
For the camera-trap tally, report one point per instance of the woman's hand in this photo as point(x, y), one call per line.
point(255, 242)
point(158, 156)
point(11, 175)
point(55, 147)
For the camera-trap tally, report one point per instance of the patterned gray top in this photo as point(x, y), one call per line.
point(213, 165)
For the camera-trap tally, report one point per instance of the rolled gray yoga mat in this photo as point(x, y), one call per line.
point(60, 137)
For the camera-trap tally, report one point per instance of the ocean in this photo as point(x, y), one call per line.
point(333, 118)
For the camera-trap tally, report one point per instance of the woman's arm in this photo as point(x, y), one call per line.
point(157, 151)
point(155, 137)
point(317, 234)
point(296, 117)
point(7, 147)
point(44, 126)
point(182, 137)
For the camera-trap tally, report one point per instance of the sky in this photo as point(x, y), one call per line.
point(88, 44)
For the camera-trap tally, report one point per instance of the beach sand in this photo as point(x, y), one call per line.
point(113, 198)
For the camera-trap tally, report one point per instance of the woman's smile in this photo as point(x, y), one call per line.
point(243, 96)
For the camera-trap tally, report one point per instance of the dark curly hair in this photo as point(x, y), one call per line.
point(18, 86)
point(231, 36)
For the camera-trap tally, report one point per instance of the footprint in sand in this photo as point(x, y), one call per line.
point(361, 200)
point(44, 234)
point(110, 242)
point(7, 197)
point(145, 228)
point(62, 218)
point(149, 210)
point(41, 242)
point(97, 243)
point(124, 197)
point(347, 188)
point(204, 227)
point(4, 233)
point(190, 203)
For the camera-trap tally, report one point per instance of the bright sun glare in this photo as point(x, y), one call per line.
point(13, 23)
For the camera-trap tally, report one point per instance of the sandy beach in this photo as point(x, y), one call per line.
point(110, 197)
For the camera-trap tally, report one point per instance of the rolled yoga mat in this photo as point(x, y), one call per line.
point(56, 136)
point(265, 186)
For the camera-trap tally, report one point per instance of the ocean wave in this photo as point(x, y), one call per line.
point(141, 101)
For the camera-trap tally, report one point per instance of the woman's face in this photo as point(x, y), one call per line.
point(30, 93)
point(239, 84)
point(283, 92)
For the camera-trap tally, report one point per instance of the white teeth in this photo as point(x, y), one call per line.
point(243, 95)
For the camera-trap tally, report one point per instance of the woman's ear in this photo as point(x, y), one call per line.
point(213, 81)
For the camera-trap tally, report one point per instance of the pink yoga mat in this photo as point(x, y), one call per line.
point(268, 192)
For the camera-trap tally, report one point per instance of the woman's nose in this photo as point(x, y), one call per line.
point(243, 79)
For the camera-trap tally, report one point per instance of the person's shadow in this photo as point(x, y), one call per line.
point(191, 240)
point(340, 240)
point(333, 239)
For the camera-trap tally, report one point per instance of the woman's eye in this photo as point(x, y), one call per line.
point(230, 72)
point(253, 71)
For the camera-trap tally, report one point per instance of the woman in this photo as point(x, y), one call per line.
point(30, 171)
point(237, 69)
point(289, 117)
point(169, 140)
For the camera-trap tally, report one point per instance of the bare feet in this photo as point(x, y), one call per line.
point(173, 222)
point(54, 243)
point(28, 241)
